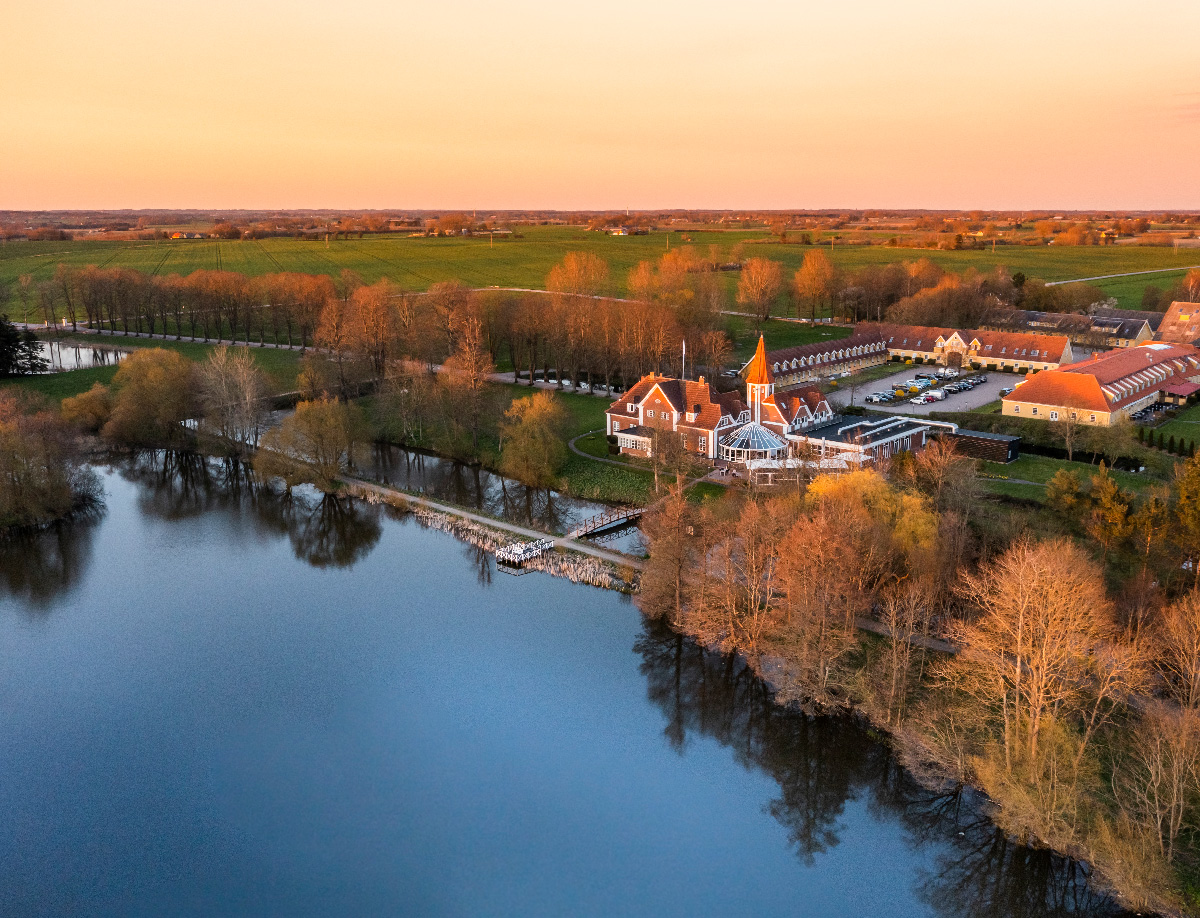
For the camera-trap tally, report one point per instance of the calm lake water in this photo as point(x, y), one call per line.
point(73, 356)
point(215, 701)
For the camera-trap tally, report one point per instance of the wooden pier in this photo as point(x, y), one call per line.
point(518, 553)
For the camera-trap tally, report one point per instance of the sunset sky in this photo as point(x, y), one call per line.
point(630, 103)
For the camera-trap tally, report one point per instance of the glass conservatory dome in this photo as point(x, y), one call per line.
point(752, 441)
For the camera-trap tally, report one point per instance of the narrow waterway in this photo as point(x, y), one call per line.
point(71, 355)
point(218, 701)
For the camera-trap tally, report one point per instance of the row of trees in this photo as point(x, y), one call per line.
point(1077, 711)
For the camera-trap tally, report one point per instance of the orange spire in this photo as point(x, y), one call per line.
point(756, 371)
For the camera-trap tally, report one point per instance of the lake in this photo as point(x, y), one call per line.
point(218, 701)
point(70, 355)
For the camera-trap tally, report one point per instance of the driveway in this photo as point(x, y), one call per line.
point(954, 401)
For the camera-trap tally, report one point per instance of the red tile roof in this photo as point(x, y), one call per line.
point(992, 344)
point(684, 396)
point(860, 338)
point(1181, 324)
point(1113, 380)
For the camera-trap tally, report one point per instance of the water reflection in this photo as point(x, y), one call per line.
point(822, 763)
point(64, 355)
point(478, 489)
point(39, 567)
point(324, 530)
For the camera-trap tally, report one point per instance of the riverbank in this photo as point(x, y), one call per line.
point(572, 559)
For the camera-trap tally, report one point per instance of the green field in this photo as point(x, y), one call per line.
point(416, 263)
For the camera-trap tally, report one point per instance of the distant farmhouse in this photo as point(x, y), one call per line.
point(1181, 324)
point(978, 348)
point(1153, 319)
point(1109, 387)
point(1094, 331)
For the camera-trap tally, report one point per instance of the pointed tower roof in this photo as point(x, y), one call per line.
point(756, 369)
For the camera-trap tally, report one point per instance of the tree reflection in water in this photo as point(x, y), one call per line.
point(474, 488)
point(40, 566)
point(820, 763)
point(324, 530)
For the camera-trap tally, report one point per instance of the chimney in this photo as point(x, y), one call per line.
point(701, 380)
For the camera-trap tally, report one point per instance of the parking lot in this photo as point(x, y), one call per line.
point(954, 401)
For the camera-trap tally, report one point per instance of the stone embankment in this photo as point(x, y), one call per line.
point(604, 572)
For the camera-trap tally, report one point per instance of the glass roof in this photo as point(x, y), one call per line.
point(754, 437)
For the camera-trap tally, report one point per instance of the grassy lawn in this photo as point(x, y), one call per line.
point(584, 412)
point(594, 444)
point(1014, 489)
point(1185, 426)
point(1041, 469)
point(57, 386)
point(601, 481)
point(996, 407)
point(280, 366)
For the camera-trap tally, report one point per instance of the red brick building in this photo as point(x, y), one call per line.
point(716, 425)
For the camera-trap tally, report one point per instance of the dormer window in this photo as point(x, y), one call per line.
point(691, 417)
point(630, 407)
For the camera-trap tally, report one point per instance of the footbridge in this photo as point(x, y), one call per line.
point(607, 520)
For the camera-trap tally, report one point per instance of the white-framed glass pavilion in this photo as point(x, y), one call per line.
point(752, 441)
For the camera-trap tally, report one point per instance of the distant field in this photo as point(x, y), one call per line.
point(416, 263)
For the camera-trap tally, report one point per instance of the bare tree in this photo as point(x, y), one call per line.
point(1178, 639)
point(467, 373)
point(760, 283)
point(814, 280)
point(232, 393)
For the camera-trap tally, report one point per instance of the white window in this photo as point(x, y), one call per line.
point(1034, 411)
point(650, 412)
point(702, 442)
point(1093, 419)
point(1054, 415)
point(1016, 409)
point(616, 426)
point(691, 417)
point(629, 406)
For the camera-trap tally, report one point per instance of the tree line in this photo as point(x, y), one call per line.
point(1072, 697)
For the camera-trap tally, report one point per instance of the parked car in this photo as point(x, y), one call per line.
point(1006, 391)
point(925, 376)
point(920, 400)
point(938, 395)
point(947, 373)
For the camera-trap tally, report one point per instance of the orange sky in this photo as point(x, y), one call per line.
point(513, 104)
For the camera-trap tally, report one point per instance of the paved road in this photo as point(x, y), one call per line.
point(960, 401)
point(1080, 280)
point(104, 332)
